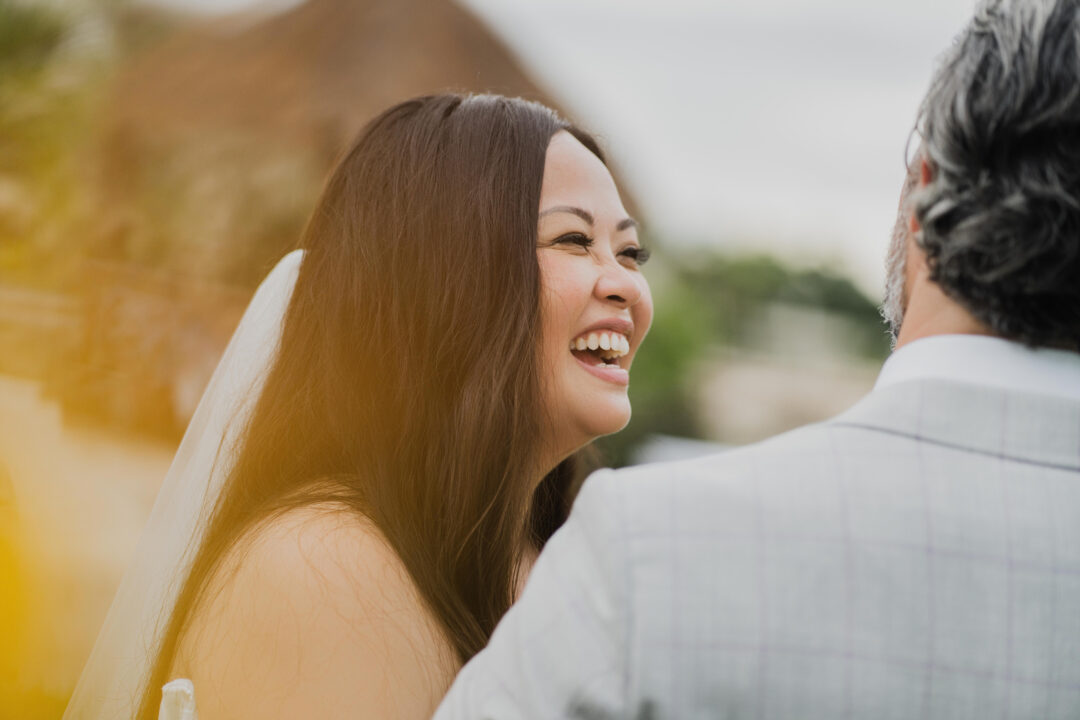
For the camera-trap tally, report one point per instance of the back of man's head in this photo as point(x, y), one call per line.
point(1000, 216)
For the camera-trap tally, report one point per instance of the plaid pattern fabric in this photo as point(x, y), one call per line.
point(916, 557)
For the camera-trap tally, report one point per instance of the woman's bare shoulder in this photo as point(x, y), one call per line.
point(313, 613)
point(337, 547)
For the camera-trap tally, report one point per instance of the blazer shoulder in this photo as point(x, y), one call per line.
point(722, 490)
point(725, 465)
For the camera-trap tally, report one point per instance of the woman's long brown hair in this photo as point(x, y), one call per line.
point(406, 386)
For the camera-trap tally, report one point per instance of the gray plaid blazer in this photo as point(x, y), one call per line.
point(915, 557)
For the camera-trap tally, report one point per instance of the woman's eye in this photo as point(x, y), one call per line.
point(639, 255)
point(574, 239)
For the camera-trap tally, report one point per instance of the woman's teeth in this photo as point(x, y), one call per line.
point(609, 346)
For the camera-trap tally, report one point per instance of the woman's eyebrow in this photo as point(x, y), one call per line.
point(585, 215)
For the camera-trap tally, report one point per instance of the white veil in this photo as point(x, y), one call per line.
point(126, 646)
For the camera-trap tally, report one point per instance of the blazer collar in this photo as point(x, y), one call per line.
point(988, 361)
point(1010, 424)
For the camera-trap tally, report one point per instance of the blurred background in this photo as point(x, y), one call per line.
point(157, 158)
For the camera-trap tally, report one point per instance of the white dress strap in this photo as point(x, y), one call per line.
point(178, 701)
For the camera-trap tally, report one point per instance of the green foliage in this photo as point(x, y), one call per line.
point(736, 288)
point(29, 34)
point(48, 105)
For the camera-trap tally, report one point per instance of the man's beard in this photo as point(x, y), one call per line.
point(892, 309)
point(896, 301)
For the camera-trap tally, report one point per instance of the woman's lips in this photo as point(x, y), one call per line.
point(608, 373)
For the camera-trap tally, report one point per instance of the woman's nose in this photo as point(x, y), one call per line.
point(619, 285)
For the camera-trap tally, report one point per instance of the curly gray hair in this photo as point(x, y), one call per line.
point(1000, 125)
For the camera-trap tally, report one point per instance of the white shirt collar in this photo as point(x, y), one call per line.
point(984, 360)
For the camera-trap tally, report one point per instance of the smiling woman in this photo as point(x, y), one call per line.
point(413, 439)
point(596, 302)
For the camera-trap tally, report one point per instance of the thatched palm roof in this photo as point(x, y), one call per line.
point(324, 66)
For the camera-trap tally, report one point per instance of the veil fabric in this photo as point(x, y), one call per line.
point(126, 647)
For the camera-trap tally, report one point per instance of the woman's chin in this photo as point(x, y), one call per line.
point(586, 415)
point(606, 418)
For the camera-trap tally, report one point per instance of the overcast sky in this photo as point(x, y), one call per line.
point(766, 124)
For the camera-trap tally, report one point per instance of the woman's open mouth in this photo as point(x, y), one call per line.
point(602, 354)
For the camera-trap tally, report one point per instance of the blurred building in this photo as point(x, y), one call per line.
point(215, 141)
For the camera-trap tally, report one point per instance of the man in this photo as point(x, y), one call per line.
point(916, 557)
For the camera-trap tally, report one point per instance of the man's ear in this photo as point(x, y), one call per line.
point(925, 176)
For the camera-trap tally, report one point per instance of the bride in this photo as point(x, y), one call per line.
point(389, 438)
